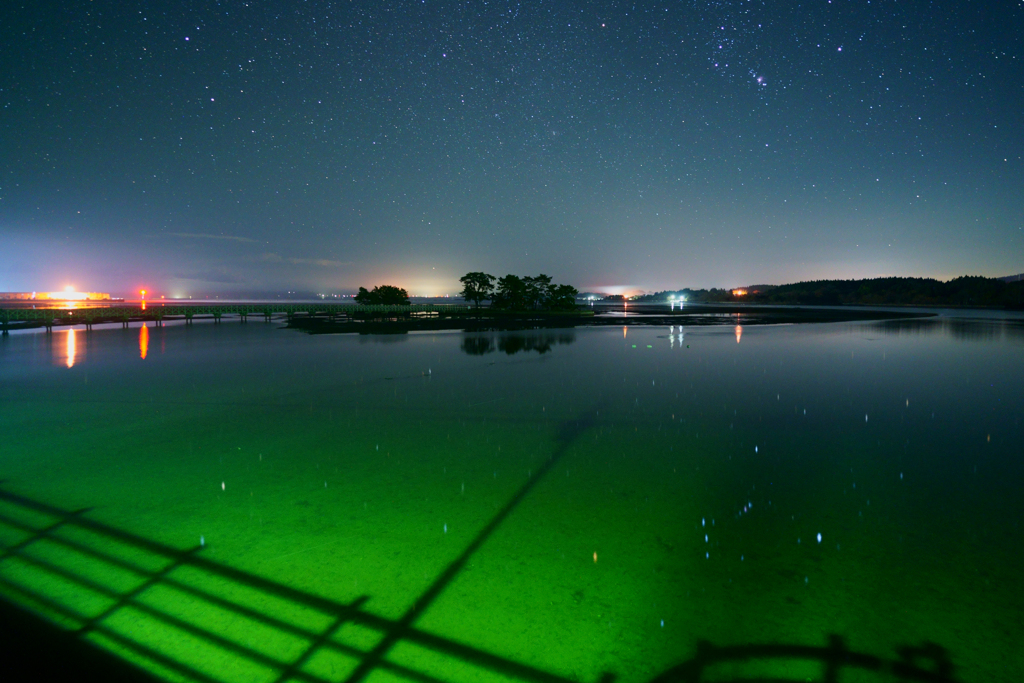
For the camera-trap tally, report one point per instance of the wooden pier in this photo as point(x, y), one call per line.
point(157, 313)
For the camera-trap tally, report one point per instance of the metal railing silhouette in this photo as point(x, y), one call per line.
point(158, 311)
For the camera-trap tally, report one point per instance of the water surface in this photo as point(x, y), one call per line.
point(623, 494)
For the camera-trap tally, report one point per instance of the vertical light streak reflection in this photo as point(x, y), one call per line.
point(143, 341)
point(739, 333)
point(71, 348)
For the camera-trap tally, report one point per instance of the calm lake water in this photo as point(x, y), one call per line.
point(546, 506)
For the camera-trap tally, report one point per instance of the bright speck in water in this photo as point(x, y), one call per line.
point(202, 540)
point(222, 486)
point(819, 538)
point(446, 528)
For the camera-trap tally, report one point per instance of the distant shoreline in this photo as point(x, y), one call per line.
point(316, 318)
point(654, 315)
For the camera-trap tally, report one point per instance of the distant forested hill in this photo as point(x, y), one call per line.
point(962, 291)
point(892, 291)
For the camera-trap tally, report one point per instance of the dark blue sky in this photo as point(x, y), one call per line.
point(204, 147)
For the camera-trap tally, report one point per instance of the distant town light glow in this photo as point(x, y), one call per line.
point(69, 294)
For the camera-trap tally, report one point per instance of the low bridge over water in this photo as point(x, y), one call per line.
point(159, 312)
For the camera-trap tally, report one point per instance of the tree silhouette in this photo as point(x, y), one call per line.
point(562, 298)
point(383, 295)
point(476, 287)
point(537, 290)
point(510, 293)
point(532, 293)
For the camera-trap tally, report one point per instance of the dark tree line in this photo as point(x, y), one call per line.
point(383, 295)
point(961, 291)
point(514, 293)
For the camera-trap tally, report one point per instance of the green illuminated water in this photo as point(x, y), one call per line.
point(674, 484)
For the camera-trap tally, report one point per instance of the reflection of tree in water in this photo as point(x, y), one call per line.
point(539, 341)
point(477, 346)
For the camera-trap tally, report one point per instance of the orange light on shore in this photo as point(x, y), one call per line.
point(143, 293)
point(739, 292)
point(68, 294)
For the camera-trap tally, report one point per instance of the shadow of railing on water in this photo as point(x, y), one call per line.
point(126, 574)
point(196, 619)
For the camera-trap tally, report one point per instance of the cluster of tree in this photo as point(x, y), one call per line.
point(514, 293)
point(961, 291)
point(383, 295)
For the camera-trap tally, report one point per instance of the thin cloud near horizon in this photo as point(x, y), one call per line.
point(207, 236)
point(326, 263)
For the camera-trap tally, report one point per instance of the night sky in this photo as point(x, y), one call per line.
point(229, 147)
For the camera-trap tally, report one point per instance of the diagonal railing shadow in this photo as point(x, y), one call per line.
point(567, 433)
point(146, 565)
point(57, 553)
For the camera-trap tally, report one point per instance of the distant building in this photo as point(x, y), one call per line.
point(54, 296)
